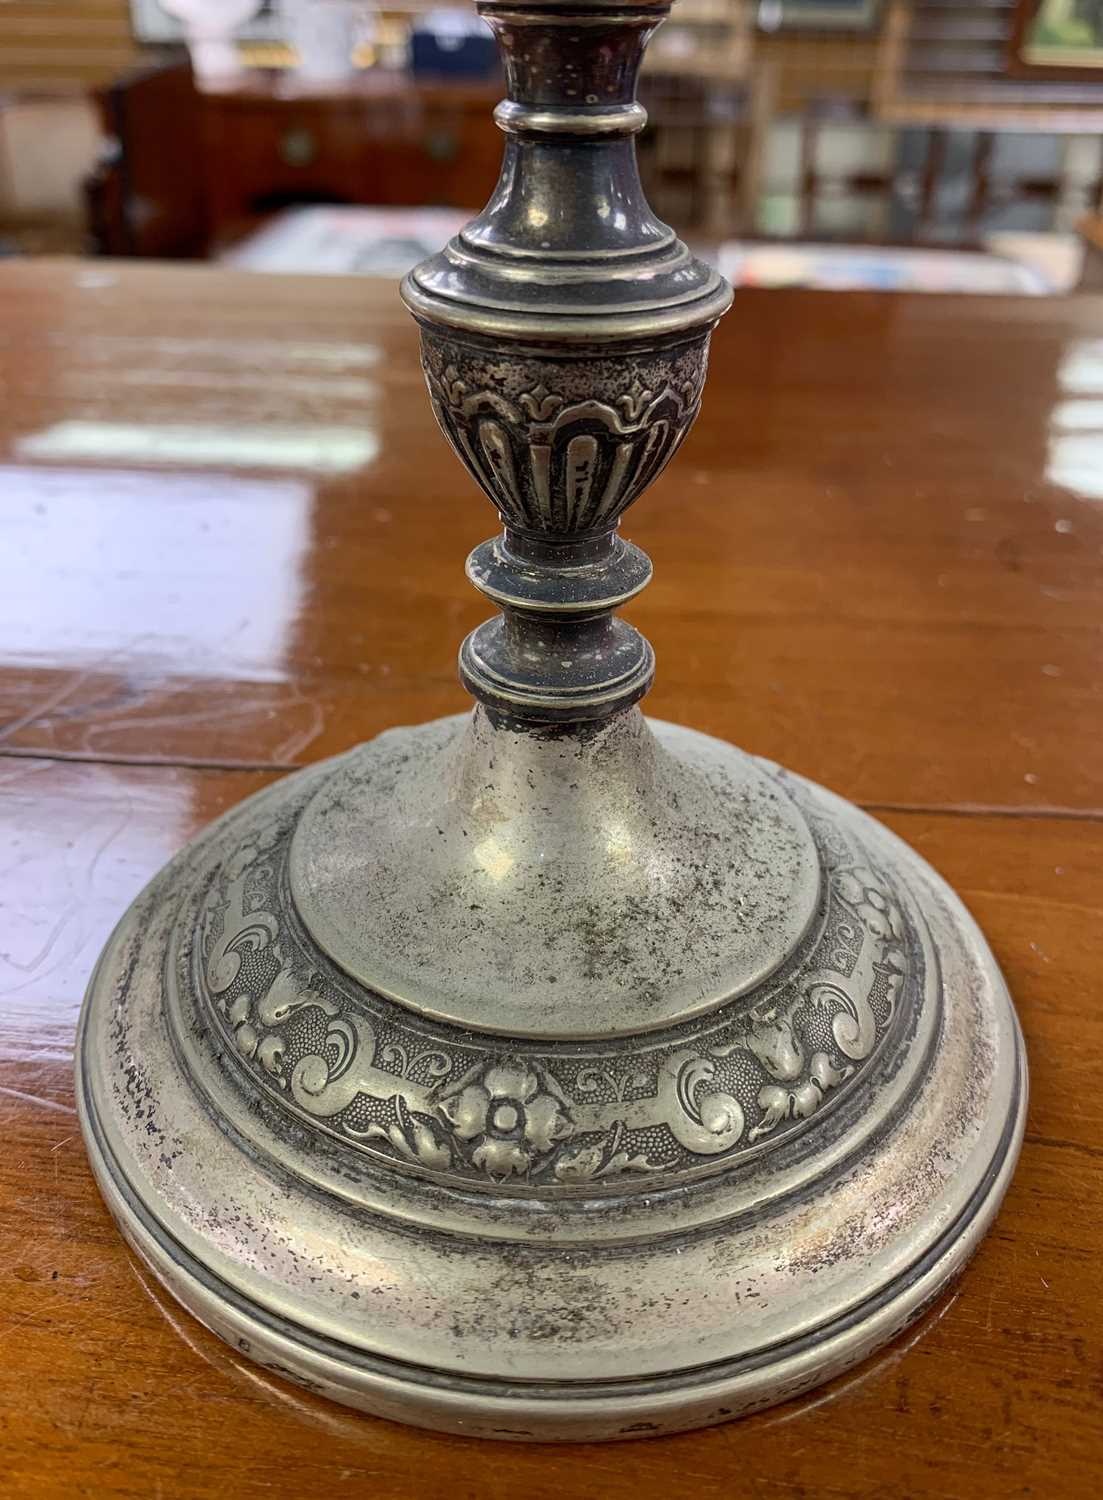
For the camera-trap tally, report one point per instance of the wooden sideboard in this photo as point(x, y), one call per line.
point(382, 139)
point(188, 171)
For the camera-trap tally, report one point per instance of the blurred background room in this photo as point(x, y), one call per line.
point(935, 145)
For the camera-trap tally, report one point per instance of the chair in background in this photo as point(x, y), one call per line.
point(709, 107)
point(942, 68)
point(48, 139)
point(147, 194)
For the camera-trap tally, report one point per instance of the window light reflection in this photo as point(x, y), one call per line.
point(197, 571)
point(1074, 451)
point(319, 449)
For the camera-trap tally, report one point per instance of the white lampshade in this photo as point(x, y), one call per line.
point(209, 27)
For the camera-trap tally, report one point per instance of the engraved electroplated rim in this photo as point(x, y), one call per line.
point(246, 1116)
point(877, 1304)
point(704, 1196)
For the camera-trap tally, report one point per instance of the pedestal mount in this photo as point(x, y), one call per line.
point(548, 1071)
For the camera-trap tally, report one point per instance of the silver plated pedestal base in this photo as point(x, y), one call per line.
point(583, 1221)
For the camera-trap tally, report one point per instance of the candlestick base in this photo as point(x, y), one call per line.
point(574, 1083)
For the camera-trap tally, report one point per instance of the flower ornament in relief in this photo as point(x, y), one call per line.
point(432, 1101)
point(511, 1114)
point(880, 914)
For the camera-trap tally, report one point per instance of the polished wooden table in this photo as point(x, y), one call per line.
point(879, 559)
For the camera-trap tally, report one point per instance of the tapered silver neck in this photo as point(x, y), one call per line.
point(564, 338)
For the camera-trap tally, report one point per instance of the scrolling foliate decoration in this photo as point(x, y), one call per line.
point(423, 1094)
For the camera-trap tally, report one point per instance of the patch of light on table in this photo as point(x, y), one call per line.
point(1074, 458)
point(327, 450)
point(1080, 372)
point(180, 572)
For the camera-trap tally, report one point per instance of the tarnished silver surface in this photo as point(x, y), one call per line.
point(660, 886)
point(661, 1232)
point(549, 1071)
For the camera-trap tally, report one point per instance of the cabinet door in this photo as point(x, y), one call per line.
point(405, 150)
point(263, 154)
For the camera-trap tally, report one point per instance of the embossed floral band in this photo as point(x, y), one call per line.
point(551, 1072)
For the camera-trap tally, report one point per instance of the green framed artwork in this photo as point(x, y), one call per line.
point(1058, 39)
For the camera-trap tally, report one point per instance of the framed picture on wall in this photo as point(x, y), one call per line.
point(1057, 39)
point(150, 23)
point(817, 15)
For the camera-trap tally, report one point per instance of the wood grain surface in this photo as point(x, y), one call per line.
point(231, 542)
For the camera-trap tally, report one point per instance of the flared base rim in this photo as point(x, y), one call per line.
point(512, 1311)
point(558, 1411)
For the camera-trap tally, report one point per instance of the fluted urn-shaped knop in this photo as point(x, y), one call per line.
point(564, 447)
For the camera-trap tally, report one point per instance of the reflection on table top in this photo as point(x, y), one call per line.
point(231, 542)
